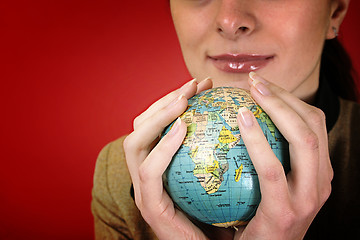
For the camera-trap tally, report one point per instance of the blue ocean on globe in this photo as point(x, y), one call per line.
point(211, 177)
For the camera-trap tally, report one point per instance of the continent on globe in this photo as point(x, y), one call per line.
point(211, 177)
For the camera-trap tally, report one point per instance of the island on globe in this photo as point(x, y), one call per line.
point(211, 177)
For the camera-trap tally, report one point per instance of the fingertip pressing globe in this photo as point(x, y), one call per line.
point(211, 177)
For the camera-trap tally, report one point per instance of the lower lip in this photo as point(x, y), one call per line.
point(233, 66)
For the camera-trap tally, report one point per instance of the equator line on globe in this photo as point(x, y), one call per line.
point(211, 177)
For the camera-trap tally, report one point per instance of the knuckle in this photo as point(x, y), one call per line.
point(331, 174)
point(133, 144)
point(137, 121)
point(273, 174)
point(279, 90)
point(138, 201)
point(316, 116)
point(279, 105)
point(144, 173)
point(325, 193)
point(310, 204)
point(130, 144)
point(282, 91)
point(310, 207)
point(330, 171)
point(311, 140)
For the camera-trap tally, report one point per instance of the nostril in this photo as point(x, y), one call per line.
point(243, 28)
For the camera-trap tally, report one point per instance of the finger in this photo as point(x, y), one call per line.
point(204, 85)
point(270, 172)
point(139, 143)
point(157, 206)
point(303, 141)
point(313, 116)
point(188, 90)
point(152, 169)
point(155, 124)
point(315, 119)
point(140, 140)
point(166, 109)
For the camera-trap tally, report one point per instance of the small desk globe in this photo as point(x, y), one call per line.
point(211, 177)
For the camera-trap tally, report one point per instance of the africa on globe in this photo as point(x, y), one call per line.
point(211, 177)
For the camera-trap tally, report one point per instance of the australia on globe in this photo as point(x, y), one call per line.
point(211, 177)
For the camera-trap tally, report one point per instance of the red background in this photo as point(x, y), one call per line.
point(73, 76)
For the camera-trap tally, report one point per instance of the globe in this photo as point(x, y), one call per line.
point(211, 177)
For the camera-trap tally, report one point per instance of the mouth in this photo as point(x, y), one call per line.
point(240, 63)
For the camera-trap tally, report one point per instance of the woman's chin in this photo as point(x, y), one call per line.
point(231, 82)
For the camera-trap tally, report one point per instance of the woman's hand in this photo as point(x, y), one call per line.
point(147, 162)
point(288, 203)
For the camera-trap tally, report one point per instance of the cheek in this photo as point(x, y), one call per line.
point(301, 38)
point(193, 36)
point(306, 28)
point(191, 25)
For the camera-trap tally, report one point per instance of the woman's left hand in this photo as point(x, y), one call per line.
point(289, 202)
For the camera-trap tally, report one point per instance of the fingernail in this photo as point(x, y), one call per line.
point(252, 75)
point(200, 84)
point(187, 84)
point(245, 117)
point(260, 84)
point(175, 127)
point(192, 81)
point(256, 78)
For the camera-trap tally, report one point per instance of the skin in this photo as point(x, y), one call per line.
point(294, 32)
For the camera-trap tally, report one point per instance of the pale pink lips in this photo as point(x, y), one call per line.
point(240, 63)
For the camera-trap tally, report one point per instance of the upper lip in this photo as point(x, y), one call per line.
point(231, 57)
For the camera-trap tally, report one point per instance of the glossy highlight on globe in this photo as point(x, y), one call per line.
point(211, 177)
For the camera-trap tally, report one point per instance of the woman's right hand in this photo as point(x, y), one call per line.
point(147, 158)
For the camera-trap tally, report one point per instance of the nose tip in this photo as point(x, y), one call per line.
point(235, 27)
point(233, 21)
